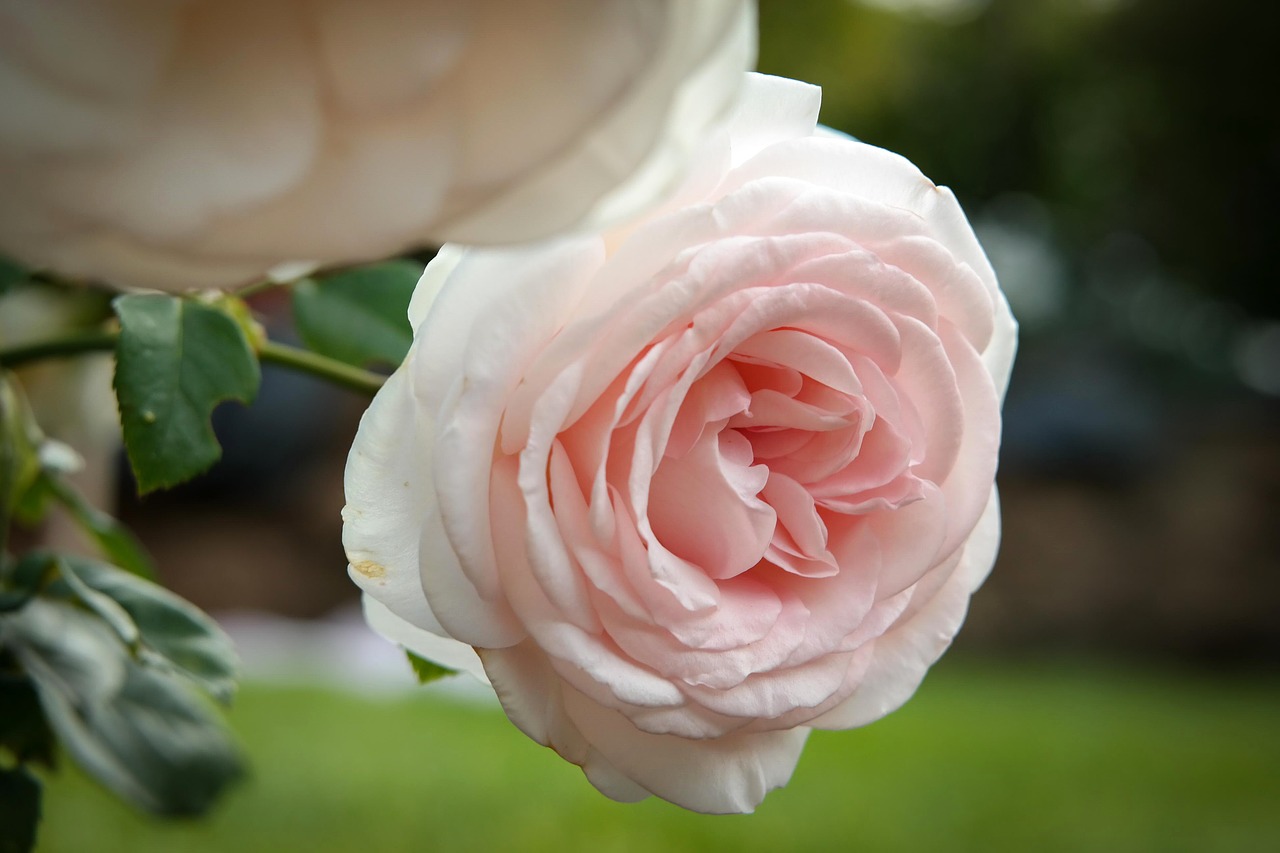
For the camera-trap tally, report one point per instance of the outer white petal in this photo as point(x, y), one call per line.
point(998, 357)
point(390, 502)
point(473, 345)
point(531, 288)
point(423, 639)
point(433, 278)
point(772, 109)
point(381, 525)
point(865, 171)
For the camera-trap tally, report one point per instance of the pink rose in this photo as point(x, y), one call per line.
point(694, 488)
point(180, 145)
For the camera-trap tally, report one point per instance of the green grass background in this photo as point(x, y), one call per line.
point(988, 756)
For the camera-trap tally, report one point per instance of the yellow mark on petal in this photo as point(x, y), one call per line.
point(369, 569)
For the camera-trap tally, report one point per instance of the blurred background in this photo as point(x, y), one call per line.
point(1121, 167)
point(1117, 684)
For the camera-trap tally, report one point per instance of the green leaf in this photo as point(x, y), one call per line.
point(359, 315)
point(20, 581)
point(106, 607)
point(23, 728)
point(20, 439)
point(427, 671)
point(30, 469)
point(140, 731)
point(173, 632)
point(117, 542)
point(10, 274)
point(33, 505)
point(175, 361)
point(19, 810)
point(14, 599)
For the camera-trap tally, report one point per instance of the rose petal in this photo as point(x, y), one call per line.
point(727, 645)
point(804, 353)
point(905, 652)
point(390, 535)
point(423, 638)
point(707, 510)
point(797, 513)
point(723, 775)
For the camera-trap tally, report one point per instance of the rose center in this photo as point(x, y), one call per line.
point(775, 450)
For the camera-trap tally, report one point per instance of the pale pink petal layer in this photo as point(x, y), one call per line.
point(719, 476)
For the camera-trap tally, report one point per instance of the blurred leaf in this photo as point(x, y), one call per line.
point(13, 599)
point(19, 458)
point(20, 580)
point(23, 728)
point(117, 542)
point(427, 671)
point(10, 274)
point(175, 361)
point(33, 505)
point(174, 633)
point(140, 731)
point(360, 315)
point(106, 607)
point(19, 810)
point(29, 467)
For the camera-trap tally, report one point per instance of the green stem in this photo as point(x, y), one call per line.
point(332, 370)
point(256, 288)
point(76, 344)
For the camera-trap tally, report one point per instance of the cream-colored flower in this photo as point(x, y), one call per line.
point(176, 145)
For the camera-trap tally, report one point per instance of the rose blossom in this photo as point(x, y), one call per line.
point(694, 488)
point(179, 145)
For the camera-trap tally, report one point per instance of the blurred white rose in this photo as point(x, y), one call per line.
point(178, 145)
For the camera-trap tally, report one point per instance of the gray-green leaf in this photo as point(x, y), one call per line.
point(24, 732)
point(176, 359)
point(117, 542)
point(142, 732)
point(19, 451)
point(172, 631)
point(21, 580)
point(359, 315)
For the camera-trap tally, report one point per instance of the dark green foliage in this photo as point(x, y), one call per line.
point(19, 810)
point(360, 315)
point(175, 361)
